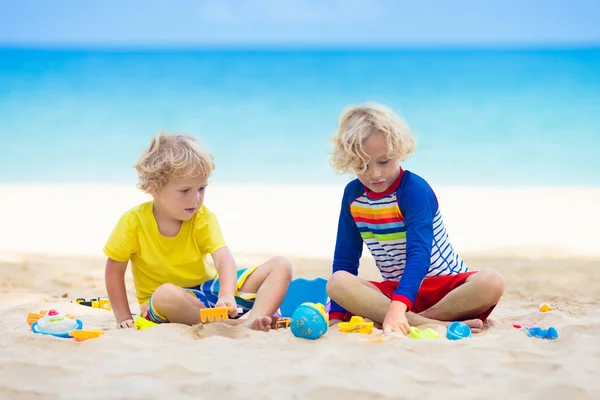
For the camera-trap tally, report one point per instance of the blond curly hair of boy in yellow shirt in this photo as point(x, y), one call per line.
point(167, 240)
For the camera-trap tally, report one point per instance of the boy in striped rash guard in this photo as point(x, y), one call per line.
point(395, 213)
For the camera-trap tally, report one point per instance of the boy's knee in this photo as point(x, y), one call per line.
point(491, 285)
point(337, 282)
point(165, 294)
point(283, 266)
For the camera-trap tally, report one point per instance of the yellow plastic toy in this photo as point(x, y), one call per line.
point(142, 323)
point(428, 333)
point(356, 325)
point(544, 307)
point(96, 302)
point(82, 334)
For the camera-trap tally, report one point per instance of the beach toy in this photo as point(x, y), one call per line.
point(82, 334)
point(309, 321)
point(378, 339)
point(97, 302)
point(283, 323)
point(356, 325)
point(34, 317)
point(520, 326)
point(536, 331)
point(216, 314)
point(428, 333)
point(544, 307)
point(551, 333)
point(142, 323)
point(302, 291)
point(56, 324)
point(458, 330)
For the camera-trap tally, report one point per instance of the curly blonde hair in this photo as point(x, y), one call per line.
point(172, 156)
point(357, 124)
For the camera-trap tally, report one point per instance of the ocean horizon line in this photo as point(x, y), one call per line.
point(301, 48)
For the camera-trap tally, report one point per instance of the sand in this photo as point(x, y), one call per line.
point(51, 238)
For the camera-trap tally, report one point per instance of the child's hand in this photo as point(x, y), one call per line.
point(395, 319)
point(228, 301)
point(126, 323)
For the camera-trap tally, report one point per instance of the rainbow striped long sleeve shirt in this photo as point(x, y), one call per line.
point(403, 230)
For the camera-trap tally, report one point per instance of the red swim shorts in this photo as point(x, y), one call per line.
point(432, 290)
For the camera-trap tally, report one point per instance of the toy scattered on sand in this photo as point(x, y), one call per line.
point(216, 314)
point(378, 339)
point(414, 333)
point(535, 331)
point(519, 326)
point(53, 323)
point(309, 321)
point(96, 302)
point(428, 333)
point(85, 334)
point(551, 333)
point(458, 330)
point(356, 325)
point(283, 323)
point(142, 323)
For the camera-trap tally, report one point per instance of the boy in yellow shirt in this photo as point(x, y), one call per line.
point(167, 241)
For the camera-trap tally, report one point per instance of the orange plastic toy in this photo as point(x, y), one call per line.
point(378, 339)
point(81, 334)
point(33, 317)
point(215, 314)
point(283, 323)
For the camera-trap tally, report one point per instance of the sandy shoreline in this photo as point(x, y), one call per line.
point(544, 222)
point(502, 362)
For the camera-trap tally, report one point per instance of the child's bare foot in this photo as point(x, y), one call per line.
point(259, 324)
point(476, 325)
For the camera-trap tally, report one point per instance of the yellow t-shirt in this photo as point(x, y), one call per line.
point(157, 259)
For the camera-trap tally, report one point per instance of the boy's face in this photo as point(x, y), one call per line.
point(381, 171)
point(180, 198)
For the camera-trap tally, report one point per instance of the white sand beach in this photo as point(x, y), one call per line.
point(543, 240)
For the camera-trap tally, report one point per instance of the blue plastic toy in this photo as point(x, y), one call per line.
point(302, 291)
point(309, 321)
point(458, 330)
point(535, 331)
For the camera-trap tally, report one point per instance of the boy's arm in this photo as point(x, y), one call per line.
point(114, 276)
point(227, 270)
point(418, 207)
point(210, 240)
point(348, 250)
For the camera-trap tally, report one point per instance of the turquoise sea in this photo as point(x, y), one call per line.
point(482, 117)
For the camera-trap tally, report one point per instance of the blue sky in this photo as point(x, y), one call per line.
point(299, 23)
